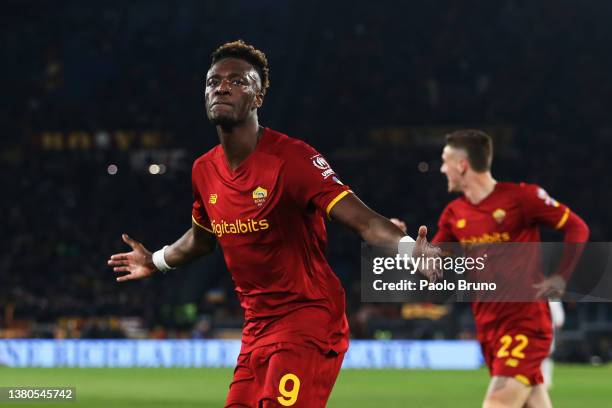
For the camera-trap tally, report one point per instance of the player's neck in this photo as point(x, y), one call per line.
point(479, 186)
point(239, 141)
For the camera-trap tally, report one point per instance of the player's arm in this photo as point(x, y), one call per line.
point(312, 183)
point(371, 226)
point(540, 208)
point(138, 263)
point(575, 229)
point(196, 242)
point(378, 230)
point(576, 233)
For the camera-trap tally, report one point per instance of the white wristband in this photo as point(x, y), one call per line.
point(159, 260)
point(404, 245)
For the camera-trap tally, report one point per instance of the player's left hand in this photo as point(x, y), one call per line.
point(551, 287)
point(430, 252)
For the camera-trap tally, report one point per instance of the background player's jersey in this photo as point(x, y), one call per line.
point(511, 213)
point(268, 216)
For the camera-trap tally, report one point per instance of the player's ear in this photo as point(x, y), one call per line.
point(259, 97)
point(463, 166)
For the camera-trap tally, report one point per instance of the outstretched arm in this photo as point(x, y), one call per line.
point(309, 186)
point(371, 226)
point(378, 230)
point(138, 263)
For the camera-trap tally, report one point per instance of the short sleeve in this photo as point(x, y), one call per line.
point(310, 179)
point(540, 208)
point(444, 233)
point(198, 211)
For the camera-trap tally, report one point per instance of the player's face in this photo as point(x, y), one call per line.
point(454, 167)
point(232, 92)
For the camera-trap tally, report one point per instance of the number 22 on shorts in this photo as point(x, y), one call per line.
point(517, 350)
point(289, 397)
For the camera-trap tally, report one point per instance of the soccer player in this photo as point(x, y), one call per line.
point(515, 336)
point(263, 196)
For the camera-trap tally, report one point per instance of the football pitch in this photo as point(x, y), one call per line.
point(575, 386)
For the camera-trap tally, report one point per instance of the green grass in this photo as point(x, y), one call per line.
point(575, 386)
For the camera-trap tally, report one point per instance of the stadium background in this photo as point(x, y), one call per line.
point(102, 116)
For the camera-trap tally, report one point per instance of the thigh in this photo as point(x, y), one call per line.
point(506, 392)
point(538, 398)
point(295, 376)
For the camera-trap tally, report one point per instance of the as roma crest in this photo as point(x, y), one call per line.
point(499, 215)
point(259, 196)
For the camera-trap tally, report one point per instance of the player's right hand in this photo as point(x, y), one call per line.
point(138, 263)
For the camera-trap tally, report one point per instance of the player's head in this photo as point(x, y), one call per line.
point(466, 152)
point(236, 83)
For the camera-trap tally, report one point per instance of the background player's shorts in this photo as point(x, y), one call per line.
point(283, 375)
point(517, 352)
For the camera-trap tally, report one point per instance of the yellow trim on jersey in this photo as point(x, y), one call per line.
point(563, 219)
point(200, 225)
point(333, 202)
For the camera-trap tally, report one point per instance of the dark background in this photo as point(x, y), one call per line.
point(372, 86)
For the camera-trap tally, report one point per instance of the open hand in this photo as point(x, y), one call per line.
point(138, 263)
point(551, 287)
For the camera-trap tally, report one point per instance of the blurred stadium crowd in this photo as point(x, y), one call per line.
point(90, 85)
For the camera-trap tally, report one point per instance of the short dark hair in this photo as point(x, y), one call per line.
point(241, 50)
point(477, 144)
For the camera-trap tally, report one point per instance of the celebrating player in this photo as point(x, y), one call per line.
point(264, 196)
point(515, 337)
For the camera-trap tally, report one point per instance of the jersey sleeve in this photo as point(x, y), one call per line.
point(311, 180)
point(540, 208)
point(444, 233)
point(198, 211)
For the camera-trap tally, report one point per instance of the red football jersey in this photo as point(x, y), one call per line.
point(511, 213)
point(268, 216)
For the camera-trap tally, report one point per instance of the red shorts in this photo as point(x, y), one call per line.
point(283, 375)
point(517, 352)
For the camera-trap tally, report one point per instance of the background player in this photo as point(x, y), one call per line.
point(557, 315)
point(263, 196)
point(515, 337)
